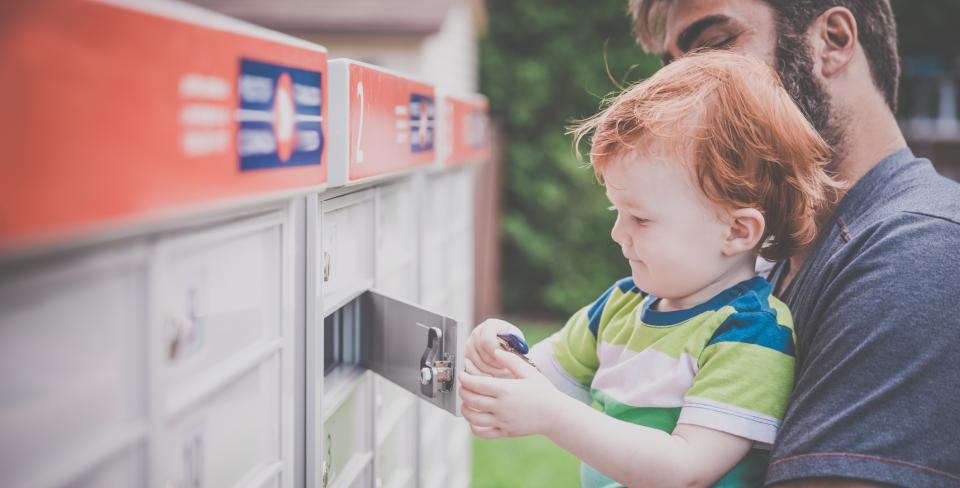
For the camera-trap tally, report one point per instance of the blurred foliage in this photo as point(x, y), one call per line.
point(543, 64)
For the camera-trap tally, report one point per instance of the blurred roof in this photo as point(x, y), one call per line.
point(410, 17)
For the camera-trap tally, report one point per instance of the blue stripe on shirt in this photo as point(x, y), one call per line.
point(596, 310)
point(758, 328)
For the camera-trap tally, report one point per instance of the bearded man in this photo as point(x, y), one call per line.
point(876, 300)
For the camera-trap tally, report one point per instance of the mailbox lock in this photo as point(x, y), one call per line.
point(325, 468)
point(436, 367)
point(183, 332)
point(444, 373)
point(326, 266)
point(426, 375)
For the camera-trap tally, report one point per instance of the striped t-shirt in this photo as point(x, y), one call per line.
point(726, 364)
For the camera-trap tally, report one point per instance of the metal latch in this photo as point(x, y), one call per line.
point(436, 366)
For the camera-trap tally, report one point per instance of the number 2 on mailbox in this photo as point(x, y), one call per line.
point(358, 156)
point(392, 122)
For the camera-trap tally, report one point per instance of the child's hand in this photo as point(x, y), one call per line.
point(497, 407)
point(481, 345)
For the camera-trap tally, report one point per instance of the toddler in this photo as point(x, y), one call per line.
point(682, 370)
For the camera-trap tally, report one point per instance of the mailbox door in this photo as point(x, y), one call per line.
point(397, 340)
point(222, 345)
point(71, 378)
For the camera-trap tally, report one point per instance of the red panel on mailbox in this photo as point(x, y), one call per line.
point(466, 129)
point(392, 123)
point(113, 114)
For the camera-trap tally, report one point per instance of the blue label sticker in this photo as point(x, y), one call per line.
point(280, 121)
point(421, 123)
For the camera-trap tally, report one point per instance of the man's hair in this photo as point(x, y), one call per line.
point(739, 134)
point(876, 30)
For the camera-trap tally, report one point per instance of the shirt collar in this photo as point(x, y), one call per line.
point(655, 317)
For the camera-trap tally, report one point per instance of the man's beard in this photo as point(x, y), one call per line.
point(795, 67)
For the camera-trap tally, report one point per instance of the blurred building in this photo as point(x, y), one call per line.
point(435, 40)
point(929, 110)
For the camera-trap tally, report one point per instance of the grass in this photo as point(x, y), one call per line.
point(524, 461)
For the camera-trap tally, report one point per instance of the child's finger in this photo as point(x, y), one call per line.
point(480, 403)
point(478, 419)
point(470, 368)
point(484, 368)
point(517, 366)
point(483, 385)
point(487, 432)
point(487, 343)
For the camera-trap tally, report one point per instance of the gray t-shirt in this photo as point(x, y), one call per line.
point(877, 314)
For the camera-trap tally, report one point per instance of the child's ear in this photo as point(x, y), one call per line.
point(746, 229)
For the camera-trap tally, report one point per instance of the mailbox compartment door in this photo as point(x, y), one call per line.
point(345, 264)
point(396, 250)
point(404, 342)
point(73, 396)
point(222, 351)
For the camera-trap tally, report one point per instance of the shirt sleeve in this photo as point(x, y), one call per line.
point(565, 358)
point(568, 358)
point(745, 376)
point(877, 388)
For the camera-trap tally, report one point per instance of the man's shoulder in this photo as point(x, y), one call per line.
point(908, 215)
point(902, 233)
point(912, 234)
point(912, 249)
point(916, 193)
point(916, 245)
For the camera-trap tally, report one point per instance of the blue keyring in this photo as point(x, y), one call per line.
point(515, 342)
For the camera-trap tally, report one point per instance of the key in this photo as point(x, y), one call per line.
point(514, 344)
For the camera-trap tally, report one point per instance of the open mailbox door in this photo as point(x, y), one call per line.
point(419, 350)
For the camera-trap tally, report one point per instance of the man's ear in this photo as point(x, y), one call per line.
point(834, 40)
point(746, 229)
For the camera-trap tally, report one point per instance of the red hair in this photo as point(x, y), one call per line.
point(747, 143)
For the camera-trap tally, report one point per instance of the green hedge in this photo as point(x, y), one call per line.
point(543, 64)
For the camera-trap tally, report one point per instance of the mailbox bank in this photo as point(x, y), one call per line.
point(225, 260)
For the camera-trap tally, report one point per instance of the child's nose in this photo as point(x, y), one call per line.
point(618, 234)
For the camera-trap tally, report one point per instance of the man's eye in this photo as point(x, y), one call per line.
point(719, 43)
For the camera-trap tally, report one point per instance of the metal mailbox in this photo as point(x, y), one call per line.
point(171, 265)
